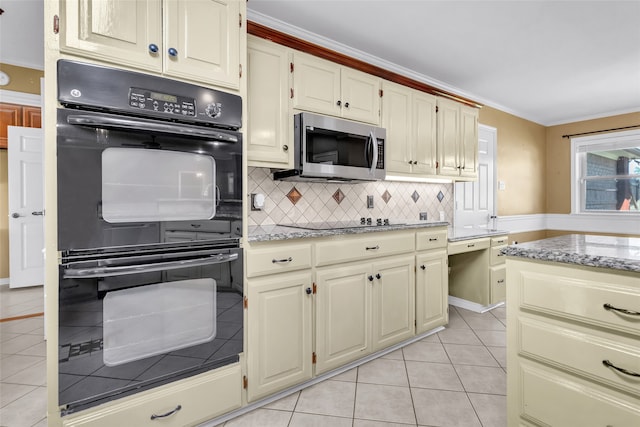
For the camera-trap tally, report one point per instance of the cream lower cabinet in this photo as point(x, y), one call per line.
point(195, 40)
point(573, 358)
point(279, 313)
point(279, 332)
point(362, 308)
point(432, 280)
point(187, 402)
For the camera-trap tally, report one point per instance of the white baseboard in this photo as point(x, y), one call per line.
point(4, 281)
point(473, 306)
point(584, 223)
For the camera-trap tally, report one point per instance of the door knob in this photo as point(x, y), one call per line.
point(15, 215)
point(37, 213)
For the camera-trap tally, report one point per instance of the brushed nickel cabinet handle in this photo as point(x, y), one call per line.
point(624, 371)
point(621, 310)
point(276, 261)
point(372, 248)
point(176, 409)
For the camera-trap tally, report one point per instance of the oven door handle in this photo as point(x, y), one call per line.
point(90, 273)
point(151, 126)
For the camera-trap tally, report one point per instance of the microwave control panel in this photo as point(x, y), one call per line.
point(380, 164)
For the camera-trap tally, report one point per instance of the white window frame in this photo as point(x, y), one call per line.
point(582, 144)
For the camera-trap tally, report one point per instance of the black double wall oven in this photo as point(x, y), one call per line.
point(149, 223)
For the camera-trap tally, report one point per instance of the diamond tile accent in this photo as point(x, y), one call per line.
point(440, 196)
point(415, 196)
point(386, 196)
point(294, 195)
point(338, 196)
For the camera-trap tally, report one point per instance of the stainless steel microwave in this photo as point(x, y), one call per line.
point(333, 149)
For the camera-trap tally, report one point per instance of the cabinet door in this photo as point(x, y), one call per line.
point(279, 332)
point(115, 31)
point(267, 103)
point(448, 136)
point(396, 118)
point(206, 37)
point(343, 315)
point(431, 290)
point(469, 141)
point(424, 134)
point(31, 117)
point(10, 115)
point(393, 301)
point(316, 85)
point(360, 96)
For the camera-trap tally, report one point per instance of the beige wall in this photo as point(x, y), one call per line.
point(521, 160)
point(26, 80)
point(558, 156)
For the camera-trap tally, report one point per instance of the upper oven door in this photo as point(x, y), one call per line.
point(121, 178)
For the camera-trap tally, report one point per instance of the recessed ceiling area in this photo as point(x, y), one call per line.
point(550, 62)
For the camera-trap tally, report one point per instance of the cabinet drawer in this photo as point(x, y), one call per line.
point(278, 259)
point(496, 258)
point(363, 247)
point(581, 350)
point(498, 278)
point(431, 239)
point(583, 404)
point(200, 398)
point(580, 294)
point(499, 241)
point(467, 246)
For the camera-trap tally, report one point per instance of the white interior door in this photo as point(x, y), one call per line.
point(475, 201)
point(26, 207)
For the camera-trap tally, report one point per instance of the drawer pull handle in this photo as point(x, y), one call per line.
point(433, 239)
point(177, 408)
point(470, 245)
point(501, 281)
point(624, 371)
point(373, 248)
point(621, 310)
point(278, 261)
point(423, 267)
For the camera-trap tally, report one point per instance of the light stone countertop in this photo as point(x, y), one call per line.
point(616, 253)
point(266, 233)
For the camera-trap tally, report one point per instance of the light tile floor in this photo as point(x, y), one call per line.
point(23, 390)
point(455, 378)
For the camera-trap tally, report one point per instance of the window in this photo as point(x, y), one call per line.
point(606, 173)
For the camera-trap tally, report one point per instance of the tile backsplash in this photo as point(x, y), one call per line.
point(298, 202)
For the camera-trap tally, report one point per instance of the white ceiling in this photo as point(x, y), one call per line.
point(547, 61)
point(550, 62)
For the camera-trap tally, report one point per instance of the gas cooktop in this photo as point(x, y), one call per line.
point(337, 225)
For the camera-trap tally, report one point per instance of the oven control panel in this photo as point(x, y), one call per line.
point(145, 99)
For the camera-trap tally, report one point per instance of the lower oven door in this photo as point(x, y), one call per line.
point(166, 318)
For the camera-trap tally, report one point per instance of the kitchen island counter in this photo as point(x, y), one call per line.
point(267, 233)
point(616, 253)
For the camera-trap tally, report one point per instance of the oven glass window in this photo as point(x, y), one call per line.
point(157, 185)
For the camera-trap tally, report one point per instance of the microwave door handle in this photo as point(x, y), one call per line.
point(146, 125)
point(374, 162)
point(90, 273)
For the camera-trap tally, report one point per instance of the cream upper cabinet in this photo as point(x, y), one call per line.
point(325, 87)
point(194, 40)
point(457, 139)
point(409, 117)
point(279, 332)
point(269, 121)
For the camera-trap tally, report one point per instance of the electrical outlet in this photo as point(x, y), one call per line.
point(369, 202)
point(423, 216)
point(502, 185)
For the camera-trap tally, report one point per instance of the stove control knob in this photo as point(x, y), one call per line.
point(213, 110)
